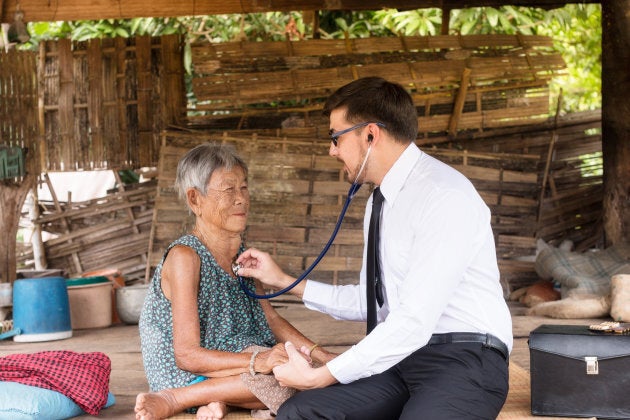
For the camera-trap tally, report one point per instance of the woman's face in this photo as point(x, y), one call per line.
point(226, 203)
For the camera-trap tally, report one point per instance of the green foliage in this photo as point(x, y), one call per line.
point(270, 26)
point(577, 33)
point(414, 22)
point(83, 30)
point(340, 25)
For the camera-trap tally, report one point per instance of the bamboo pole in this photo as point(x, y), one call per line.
point(460, 99)
point(64, 222)
point(550, 149)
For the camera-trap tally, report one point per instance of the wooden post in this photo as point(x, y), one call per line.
point(460, 99)
point(550, 152)
point(615, 122)
point(39, 255)
point(12, 196)
point(446, 20)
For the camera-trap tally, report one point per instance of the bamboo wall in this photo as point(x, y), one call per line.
point(104, 102)
point(297, 191)
point(569, 202)
point(18, 101)
point(457, 82)
point(483, 108)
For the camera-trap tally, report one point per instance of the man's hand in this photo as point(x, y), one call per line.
point(260, 265)
point(298, 373)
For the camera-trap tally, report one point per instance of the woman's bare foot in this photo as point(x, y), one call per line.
point(212, 411)
point(156, 405)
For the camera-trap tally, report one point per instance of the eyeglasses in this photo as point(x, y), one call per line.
point(334, 135)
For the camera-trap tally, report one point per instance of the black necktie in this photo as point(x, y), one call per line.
point(374, 290)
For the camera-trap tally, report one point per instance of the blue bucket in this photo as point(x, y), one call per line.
point(41, 309)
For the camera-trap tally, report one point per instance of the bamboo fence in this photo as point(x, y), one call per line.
point(297, 192)
point(483, 108)
point(103, 102)
point(457, 82)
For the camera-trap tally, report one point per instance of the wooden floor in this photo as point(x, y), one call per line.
point(122, 344)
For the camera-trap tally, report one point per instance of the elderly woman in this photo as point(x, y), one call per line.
point(205, 343)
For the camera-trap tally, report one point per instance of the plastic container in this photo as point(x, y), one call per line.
point(90, 302)
point(118, 280)
point(6, 295)
point(41, 309)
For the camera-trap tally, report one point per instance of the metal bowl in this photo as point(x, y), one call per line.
point(129, 301)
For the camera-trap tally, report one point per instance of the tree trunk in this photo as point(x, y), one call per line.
point(12, 196)
point(616, 119)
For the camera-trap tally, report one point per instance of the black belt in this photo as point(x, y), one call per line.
point(488, 340)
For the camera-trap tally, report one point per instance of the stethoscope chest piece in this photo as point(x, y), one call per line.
point(235, 268)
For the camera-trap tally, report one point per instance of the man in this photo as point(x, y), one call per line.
point(441, 346)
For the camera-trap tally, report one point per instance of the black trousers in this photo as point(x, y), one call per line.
point(445, 381)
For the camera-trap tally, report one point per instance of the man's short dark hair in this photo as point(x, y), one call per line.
point(377, 100)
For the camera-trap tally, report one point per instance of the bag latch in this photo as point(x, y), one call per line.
point(592, 367)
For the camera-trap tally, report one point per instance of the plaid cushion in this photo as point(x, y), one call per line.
point(583, 273)
point(82, 377)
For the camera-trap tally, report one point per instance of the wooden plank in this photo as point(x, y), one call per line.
point(172, 81)
point(145, 109)
point(367, 46)
point(66, 104)
point(120, 64)
point(110, 106)
point(66, 226)
point(71, 10)
point(270, 233)
point(459, 102)
point(95, 114)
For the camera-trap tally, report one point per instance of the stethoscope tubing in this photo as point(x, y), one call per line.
point(351, 193)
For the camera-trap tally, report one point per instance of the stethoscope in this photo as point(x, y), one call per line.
point(351, 193)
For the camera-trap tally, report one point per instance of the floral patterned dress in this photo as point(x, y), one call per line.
point(229, 320)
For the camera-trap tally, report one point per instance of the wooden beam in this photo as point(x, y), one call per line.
point(446, 20)
point(460, 99)
point(69, 10)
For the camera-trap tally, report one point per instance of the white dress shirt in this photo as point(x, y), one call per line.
point(439, 269)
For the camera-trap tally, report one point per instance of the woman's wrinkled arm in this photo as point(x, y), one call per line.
point(180, 284)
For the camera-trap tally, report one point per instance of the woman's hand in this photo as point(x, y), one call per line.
point(267, 360)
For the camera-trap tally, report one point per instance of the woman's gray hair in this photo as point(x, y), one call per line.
point(197, 166)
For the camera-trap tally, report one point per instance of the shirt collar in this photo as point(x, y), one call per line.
point(399, 172)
